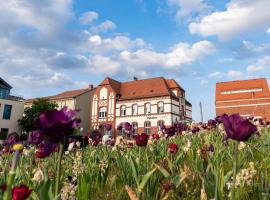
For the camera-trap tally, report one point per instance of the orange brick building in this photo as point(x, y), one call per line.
point(246, 97)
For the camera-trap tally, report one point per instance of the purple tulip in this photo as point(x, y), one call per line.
point(142, 139)
point(35, 137)
point(211, 148)
point(128, 126)
point(45, 148)
point(212, 123)
point(195, 129)
point(119, 128)
point(54, 124)
point(12, 138)
point(108, 127)
point(238, 128)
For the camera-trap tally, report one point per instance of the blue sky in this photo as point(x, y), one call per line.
point(58, 45)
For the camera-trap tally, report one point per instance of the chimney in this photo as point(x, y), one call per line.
point(135, 78)
point(91, 86)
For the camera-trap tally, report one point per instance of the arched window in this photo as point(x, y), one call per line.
point(134, 109)
point(135, 126)
point(123, 110)
point(102, 112)
point(147, 108)
point(160, 107)
point(159, 124)
point(147, 127)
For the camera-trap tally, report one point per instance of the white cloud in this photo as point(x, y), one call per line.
point(235, 74)
point(215, 74)
point(103, 27)
point(118, 43)
point(181, 53)
point(240, 16)
point(88, 17)
point(47, 17)
point(262, 65)
point(189, 8)
point(268, 31)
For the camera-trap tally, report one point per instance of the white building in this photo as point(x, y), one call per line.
point(11, 109)
point(73, 99)
point(146, 104)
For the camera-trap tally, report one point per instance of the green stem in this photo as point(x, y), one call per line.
point(235, 158)
point(11, 175)
point(58, 168)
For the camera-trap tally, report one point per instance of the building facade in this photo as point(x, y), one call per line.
point(11, 109)
point(73, 99)
point(246, 97)
point(188, 111)
point(146, 104)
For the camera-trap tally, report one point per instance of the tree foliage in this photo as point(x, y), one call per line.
point(31, 113)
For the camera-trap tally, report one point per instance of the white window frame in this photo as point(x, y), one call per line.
point(102, 112)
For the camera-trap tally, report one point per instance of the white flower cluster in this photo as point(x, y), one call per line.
point(78, 165)
point(187, 146)
point(241, 145)
point(68, 191)
point(244, 177)
point(103, 165)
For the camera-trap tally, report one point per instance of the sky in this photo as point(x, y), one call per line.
point(47, 47)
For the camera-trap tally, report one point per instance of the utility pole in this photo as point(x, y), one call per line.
point(201, 111)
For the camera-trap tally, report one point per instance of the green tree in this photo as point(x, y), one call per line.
point(31, 113)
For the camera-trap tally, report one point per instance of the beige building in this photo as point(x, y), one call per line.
point(188, 111)
point(74, 99)
point(11, 109)
point(146, 104)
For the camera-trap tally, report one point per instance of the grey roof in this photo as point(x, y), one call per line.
point(4, 84)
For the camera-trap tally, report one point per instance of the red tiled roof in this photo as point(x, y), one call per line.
point(173, 84)
point(142, 88)
point(63, 95)
point(238, 85)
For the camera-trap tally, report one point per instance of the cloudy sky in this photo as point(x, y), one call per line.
point(54, 45)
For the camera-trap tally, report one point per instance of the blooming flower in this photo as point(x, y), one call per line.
point(20, 192)
point(173, 148)
point(142, 139)
point(35, 137)
point(195, 129)
point(38, 175)
point(237, 128)
point(212, 123)
point(45, 148)
point(54, 124)
point(108, 127)
point(12, 138)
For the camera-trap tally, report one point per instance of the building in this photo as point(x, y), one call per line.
point(146, 104)
point(246, 97)
point(11, 109)
point(188, 111)
point(73, 99)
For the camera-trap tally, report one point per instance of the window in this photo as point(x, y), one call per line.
point(102, 112)
point(123, 111)
point(159, 124)
point(3, 133)
point(7, 111)
point(160, 107)
point(135, 126)
point(147, 108)
point(134, 109)
point(4, 93)
point(147, 127)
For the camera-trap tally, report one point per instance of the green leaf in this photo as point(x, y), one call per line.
point(145, 179)
point(134, 168)
point(165, 173)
